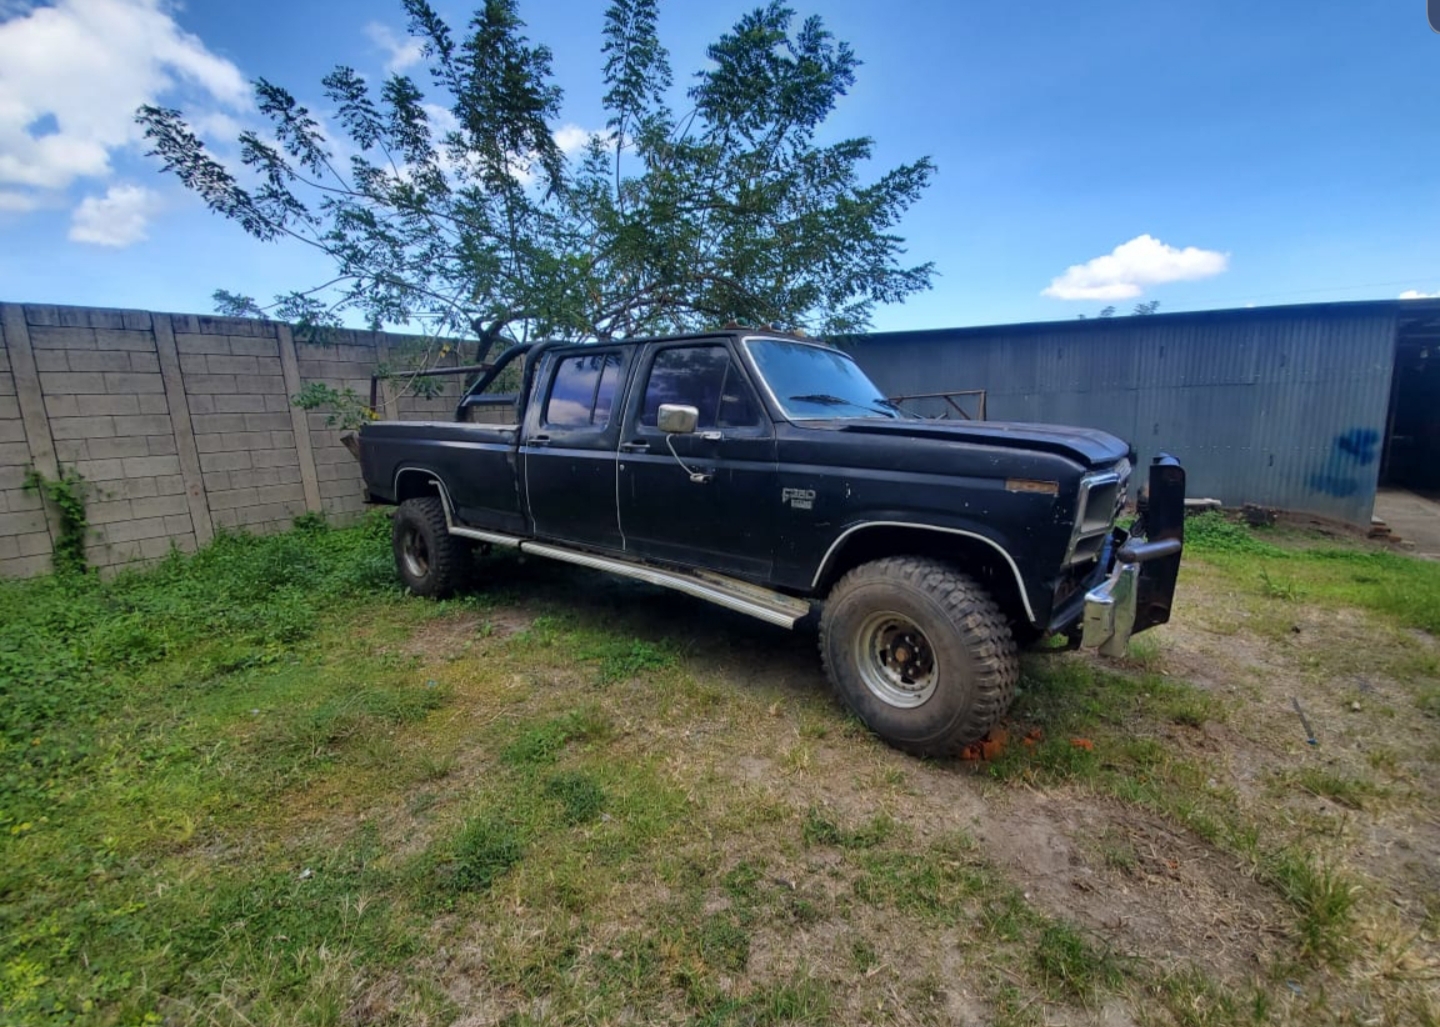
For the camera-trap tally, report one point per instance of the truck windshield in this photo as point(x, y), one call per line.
point(814, 382)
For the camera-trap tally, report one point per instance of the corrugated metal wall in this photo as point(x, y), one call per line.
point(1285, 407)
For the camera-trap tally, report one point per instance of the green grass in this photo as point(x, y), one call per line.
point(261, 785)
point(1397, 586)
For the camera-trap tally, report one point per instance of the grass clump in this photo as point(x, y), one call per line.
point(484, 850)
point(580, 796)
point(1068, 965)
point(542, 744)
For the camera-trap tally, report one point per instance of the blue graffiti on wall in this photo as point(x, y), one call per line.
point(1352, 450)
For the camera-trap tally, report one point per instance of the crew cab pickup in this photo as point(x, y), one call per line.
point(768, 475)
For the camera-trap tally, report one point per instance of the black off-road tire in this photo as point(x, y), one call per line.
point(432, 562)
point(974, 665)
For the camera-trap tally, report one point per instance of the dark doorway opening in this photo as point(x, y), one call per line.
point(1412, 444)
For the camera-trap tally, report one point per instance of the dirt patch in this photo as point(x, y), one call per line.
point(1148, 889)
point(447, 637)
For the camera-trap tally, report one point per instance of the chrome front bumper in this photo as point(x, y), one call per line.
point(1140, 588)
point(1110, 611)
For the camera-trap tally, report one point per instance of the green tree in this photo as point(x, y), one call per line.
point(457, 209)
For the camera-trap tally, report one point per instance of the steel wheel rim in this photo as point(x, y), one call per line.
point(896, 660)
point(415, 553)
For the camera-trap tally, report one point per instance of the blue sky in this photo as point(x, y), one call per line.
point(1201, 155)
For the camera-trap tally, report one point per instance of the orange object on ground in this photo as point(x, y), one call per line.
point(1083, 743)
point(987, 748)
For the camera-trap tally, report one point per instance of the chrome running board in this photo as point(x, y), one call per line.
point(740, 596)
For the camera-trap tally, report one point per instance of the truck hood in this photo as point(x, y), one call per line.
point(1087, 446)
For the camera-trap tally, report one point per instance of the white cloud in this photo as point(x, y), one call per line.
point(572, 139)
point(13, 202)
point(1124, 272)
point(72, 75)
point(1416, 294)
point(118, 219)
point(403, 51)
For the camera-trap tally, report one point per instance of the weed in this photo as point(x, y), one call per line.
point(542, 744)
point(1213, 532)
point(580, 796)
point(1069, 965)
point(67, 494)
point(820, 830)
point(1322, 895)
point(1355, 792)
point(1284, 589)
point(483, 851)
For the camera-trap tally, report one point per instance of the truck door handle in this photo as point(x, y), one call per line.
point(538, 439)
point(635, 447)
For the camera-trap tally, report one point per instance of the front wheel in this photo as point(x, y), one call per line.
point(431, 561)
point(920, 652)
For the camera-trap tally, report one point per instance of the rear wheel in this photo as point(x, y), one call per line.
point(920, 652)
point(430, 560)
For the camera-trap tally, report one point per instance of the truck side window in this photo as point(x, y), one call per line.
point(583, 393)
point(705, 378)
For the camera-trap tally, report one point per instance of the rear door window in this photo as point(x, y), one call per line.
point(583, 391)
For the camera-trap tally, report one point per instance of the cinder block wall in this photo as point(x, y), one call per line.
point(181, 425)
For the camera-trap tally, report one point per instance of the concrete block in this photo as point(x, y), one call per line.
point(243, 326)
point(218, 364)
point(268, 384)
point(212, 442)
point(178, 524)
point(52, 360)
point(22, 523)
point(144, 363)
point(22, 500)
point(280, 439)
point(150, 404)
point(276, 458)
point(101, 470)
point(127, 341)
point(170, 484)
point(137, 488)
point(132, 382)
point(161, 445)
point(92, 360)
point(331, 489)
point(240, 403)
point(225, 518)
point(47, 337)
point(159, 548)
point(9, 408)
point(7, 385)
point(281, 494)
point(67, 451)
point(144, 424)
point(41, 314)
point(82, 428)
point(212, 384)
point(129, 445)
point(13, 476)
point(151, 465)
point(254, 347)
point(186, 342)
point(210, 424)
point(12, 431)
point(261, 476)
point(14, 453)
point(108, 511)
point(37, 544)
point(194, 363)
point(138, 320)
point(201, 404)
point(131, 530)
point(269, 422)
point(25, 567)
point(68, 383)
point(9, 548)
point(161, 506)
point(216, 481)
point(232, 461)
point(233, 498)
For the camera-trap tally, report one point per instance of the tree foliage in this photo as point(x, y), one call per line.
point(453, 206)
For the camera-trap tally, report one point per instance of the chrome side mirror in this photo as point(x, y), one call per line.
point(674, 419)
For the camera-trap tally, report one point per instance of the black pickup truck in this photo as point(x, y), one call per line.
point(767, 474)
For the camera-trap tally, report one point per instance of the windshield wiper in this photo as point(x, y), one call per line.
point(828, 400)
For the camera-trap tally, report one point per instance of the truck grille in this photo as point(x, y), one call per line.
point(1101, 500)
